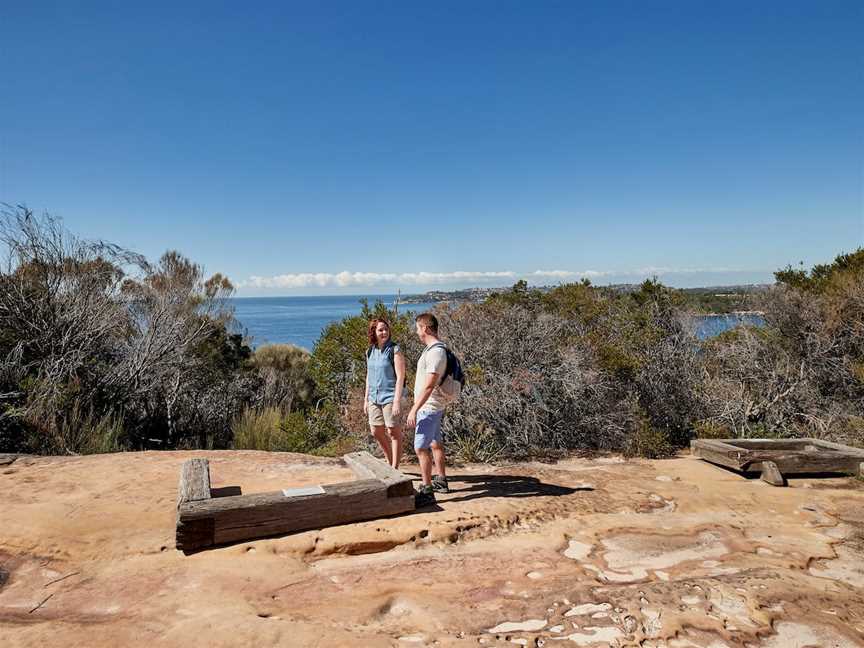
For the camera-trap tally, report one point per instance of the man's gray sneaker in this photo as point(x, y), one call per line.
point(424, 496)
point(439, 484)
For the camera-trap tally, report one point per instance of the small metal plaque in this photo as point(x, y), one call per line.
point(305, 490)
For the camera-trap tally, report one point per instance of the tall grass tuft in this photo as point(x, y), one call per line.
point(256, 429)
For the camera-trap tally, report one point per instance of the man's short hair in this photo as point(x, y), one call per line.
point(429, 321)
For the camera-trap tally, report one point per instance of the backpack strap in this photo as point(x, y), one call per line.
point(447, 354)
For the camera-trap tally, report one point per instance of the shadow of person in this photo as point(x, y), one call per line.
point(468, 487)
point(505, 486)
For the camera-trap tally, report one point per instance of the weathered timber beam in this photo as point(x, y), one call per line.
point(716, 454)
point(194, 481)
point(804, 456)
point(769, 444)
point(771, 474)
point(202, 523)
point(6, 459)
point(837, 446)
point(805, 461)
point(365, 466)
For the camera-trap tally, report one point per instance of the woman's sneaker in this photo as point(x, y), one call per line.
point(424, 496)
point(439, 484)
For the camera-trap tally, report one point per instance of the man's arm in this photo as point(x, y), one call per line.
point(420, 400)
point(432, 380)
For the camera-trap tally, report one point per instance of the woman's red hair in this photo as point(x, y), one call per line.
point(373, 324)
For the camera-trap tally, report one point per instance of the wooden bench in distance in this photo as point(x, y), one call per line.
point(776, 458)
point(202, 521)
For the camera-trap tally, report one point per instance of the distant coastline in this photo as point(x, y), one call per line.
point(718, 300)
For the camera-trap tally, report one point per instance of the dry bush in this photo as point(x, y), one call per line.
point(797, 376)
point(529, 389)
point(91, 326)
point(285, 379)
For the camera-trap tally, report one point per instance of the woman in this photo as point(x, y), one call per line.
point(385, 378)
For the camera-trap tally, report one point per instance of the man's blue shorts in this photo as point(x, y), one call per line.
point(428, 429)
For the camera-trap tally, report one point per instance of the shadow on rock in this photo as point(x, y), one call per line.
point(468, 487)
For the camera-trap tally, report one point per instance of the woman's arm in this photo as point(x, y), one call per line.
point(366, 392)
point(399, 366)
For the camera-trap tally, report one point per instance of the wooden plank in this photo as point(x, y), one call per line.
point(771, 474)
point(716, 453)
point(193, 534)
point(838, 446)
point(768, 444)
point(230, 519)
point(808, 456)
point(7, 459)
point(194, 481)
point(365, 466)
point(801, 462)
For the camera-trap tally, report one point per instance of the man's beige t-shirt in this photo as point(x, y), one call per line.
point(432, 360)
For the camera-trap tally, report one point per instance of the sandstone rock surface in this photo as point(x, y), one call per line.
point(577, 553)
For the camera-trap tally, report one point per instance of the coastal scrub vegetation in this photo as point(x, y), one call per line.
point(103, 350)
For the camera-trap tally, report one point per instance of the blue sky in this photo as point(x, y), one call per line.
point(399, 143)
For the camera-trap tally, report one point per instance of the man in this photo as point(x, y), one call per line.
point(428, 410)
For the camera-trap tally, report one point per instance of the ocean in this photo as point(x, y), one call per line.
point(710, 325)
point(300, 320)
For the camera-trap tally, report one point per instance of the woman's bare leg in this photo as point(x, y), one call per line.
point(380, 434)
point(395, 434)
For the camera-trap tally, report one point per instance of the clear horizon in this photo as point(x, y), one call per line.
point(352, 147)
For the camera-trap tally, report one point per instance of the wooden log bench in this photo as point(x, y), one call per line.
point(203, 521)
point(7, 459)
point(777, 458)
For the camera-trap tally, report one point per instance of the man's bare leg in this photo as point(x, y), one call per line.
point(438, 454)
point(425, 459)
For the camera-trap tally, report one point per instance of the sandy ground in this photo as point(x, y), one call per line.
point(580, 553)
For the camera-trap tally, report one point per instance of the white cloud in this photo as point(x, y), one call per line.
point(346, 279)
point(569, 274)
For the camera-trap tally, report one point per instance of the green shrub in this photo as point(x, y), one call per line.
point(650, 443)
point(257, 429)
point(272, 430)
point(477, 445)
point(76, 430)
point(711, 430)
point(286, 380)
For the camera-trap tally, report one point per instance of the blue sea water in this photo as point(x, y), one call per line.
point(300, 320)
point(710, 325)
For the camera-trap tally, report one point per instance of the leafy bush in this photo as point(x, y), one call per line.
point(274, 430)
point(94, 336)
point(258, 429)
point(101, 350)
point(649, 442)
point(285, 378)
point(536, 393)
